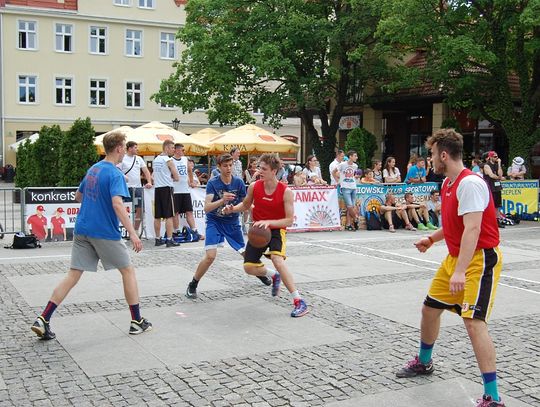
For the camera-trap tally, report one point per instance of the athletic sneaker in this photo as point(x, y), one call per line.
point(276, 283)
point(172, 243)
point(410, 227)
point(300, 308)
point(349, 228)
point(138, 327)
point(431, 226)
point(421, 226)
point(415, 368)
point(191, 291)
point(265, 280)
point(487, 401)
point(160, 242)
point(43, 329)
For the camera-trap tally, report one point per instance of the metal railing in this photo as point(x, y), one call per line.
point(11, 210)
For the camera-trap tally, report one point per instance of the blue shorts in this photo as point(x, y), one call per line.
point(217, 232)
point(349, 196)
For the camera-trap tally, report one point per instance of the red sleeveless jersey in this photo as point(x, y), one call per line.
point(267, 207)
point(453, 223)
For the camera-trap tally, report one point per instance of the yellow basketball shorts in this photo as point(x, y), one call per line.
point(481, 279)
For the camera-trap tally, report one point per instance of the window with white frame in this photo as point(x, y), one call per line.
point(27, 34)
point(146, 3)
point(27, 89)
point(63, 88)
point(167, 48)
point(98, 40)
point(122, 2)
point(133, 43)
point(98, 92)
point(64, 37)
point(133, 94)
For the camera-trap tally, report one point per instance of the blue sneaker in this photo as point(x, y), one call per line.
point(300, 308)
point(276, 283)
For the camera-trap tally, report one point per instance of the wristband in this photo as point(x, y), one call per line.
point(431, 240)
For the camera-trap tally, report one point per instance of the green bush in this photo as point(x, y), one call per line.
point(24, 176)
point(77, 153)
point(46, 152)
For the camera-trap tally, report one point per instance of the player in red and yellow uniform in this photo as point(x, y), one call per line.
point(467, 279)
point(273, 208)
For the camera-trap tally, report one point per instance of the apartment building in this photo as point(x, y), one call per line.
point(103, 59)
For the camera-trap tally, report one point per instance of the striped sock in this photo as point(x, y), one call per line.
point(295, 294)
point(490, 385)
point(135, 312)
point(425, 352)
point(48, 311)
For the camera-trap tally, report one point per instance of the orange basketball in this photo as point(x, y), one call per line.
point(259, 237)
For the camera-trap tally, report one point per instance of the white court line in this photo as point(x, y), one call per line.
point(35, 257)
point(426, 268)
point(520, 279)
point(367, 255)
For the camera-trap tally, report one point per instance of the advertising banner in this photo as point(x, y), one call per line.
point(197, 199)
point(315, 209)
point(520, 196)
point(373, 195)
point(51, 213)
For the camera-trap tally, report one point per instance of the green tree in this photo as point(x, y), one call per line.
point(355, 141)
point(46, 153)
point(77, 152)
point(24, 176)
point(472, 48)
point(285, 57)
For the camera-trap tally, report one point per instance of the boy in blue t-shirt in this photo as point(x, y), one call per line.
point(97, 236)
point(221, 191)
point(417, 173)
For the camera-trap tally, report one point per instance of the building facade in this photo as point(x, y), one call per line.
point(68, 59)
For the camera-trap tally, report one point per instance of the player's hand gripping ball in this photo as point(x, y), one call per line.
point(259, 237)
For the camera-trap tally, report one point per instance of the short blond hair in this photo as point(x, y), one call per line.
point(448, 140)
point(113, 140)
point(271, 159)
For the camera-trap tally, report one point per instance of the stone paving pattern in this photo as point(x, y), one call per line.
point(38, 373)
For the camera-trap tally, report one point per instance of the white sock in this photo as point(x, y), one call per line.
point(295, 294)
point(270, 272)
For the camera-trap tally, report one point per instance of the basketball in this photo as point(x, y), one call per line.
point(259, 237)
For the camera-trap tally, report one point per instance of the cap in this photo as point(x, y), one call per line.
point(60, 210)
point(40, 208)
point(518, 161)
point(297, 169)
point(492, 154)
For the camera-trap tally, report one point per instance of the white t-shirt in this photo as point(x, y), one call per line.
point(472, 194)
point(331, 168)
point(131, 168)
point(386, 174)
point(162, 173)
point(181, 186)
point(312, 173)
point(346, 174)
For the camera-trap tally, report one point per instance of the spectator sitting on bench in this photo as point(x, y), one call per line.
point(394, 215)
point(434, 207)
point(418, 213)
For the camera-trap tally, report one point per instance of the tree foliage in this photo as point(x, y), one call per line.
point(472, 49)
point(24, 174)
point(364, 143)
point(77, 152)
point(284, 57)
point(46, 154)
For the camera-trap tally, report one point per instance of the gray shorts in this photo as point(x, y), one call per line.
point(87, 251)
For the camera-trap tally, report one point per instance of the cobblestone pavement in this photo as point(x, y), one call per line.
point(37, 373)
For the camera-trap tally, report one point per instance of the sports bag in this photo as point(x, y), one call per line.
point(24, 241)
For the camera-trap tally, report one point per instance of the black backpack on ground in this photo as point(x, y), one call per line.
point(373, 220)
point(24, 241)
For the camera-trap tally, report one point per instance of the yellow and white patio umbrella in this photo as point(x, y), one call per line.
point(98, 141)
point(205, 135)
point(251, 139)
point(150, 137)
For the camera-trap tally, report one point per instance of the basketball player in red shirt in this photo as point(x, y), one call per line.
point(273, 208)
point(467, 279)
